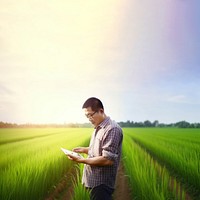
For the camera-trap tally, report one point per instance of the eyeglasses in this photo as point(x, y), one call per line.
point(90, 115)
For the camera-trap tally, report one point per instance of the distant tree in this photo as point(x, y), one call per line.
point(196, 125)
point(183, 124)
point(155, 123)
point(138, 124)
point(147, 123)
point(128, 123)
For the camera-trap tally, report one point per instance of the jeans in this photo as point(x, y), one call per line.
point(101, 192)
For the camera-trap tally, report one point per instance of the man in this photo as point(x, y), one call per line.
point(104, 152)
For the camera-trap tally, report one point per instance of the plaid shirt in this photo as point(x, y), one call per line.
point(106, 141)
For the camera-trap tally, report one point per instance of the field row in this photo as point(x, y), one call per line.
point(157, 156)
point(31, 162)
point(20, 134)
point(35, 164)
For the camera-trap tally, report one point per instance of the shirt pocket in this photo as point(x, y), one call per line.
point(97, 148)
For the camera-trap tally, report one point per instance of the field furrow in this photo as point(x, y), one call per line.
point(36, 165)
point(180, 157)
point(160, 163)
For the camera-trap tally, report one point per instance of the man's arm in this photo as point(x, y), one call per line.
point(95, 161)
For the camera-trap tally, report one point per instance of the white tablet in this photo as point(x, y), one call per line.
point(68, 152)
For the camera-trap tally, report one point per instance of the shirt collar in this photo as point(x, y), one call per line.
point(103, 123)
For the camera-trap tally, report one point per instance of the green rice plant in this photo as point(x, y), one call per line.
point(29, 168)
point(80, 192)
point(148, 179)
point(177, 149)
point(144, 178)
point(19, 134)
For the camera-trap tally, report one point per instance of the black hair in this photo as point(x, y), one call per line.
point(94, 103)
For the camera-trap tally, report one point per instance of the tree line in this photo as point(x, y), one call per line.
point(29, 125)
point(128, 123)
point(147, 123)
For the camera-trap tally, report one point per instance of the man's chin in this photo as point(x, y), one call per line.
point(93, 123)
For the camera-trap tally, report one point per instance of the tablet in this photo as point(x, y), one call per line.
point(68, 152)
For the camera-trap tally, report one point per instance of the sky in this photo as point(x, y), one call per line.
point(140, 57)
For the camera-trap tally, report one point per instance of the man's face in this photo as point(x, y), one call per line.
point(95, 117)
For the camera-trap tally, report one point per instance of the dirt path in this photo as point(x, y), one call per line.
point(122, 191)
point(64, 189)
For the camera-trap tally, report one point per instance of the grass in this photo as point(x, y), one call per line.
point(80, 191)
point(34, 164)
point(147, 179)
point(177, 149)
point(31, 162)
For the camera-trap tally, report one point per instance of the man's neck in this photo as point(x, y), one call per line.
point(102, 119)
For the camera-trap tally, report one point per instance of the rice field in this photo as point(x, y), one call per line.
point(31, 162)
point(161, 163)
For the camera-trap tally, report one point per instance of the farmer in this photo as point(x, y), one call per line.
point(104, 152)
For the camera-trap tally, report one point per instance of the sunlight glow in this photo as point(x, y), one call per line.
point(54, 43)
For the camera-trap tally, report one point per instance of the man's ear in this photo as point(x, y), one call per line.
point(101, 110)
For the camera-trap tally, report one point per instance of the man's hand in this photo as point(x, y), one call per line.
point(81, 150)
point(76, 159)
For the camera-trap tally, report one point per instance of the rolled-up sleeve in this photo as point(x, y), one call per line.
point(111, 143)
